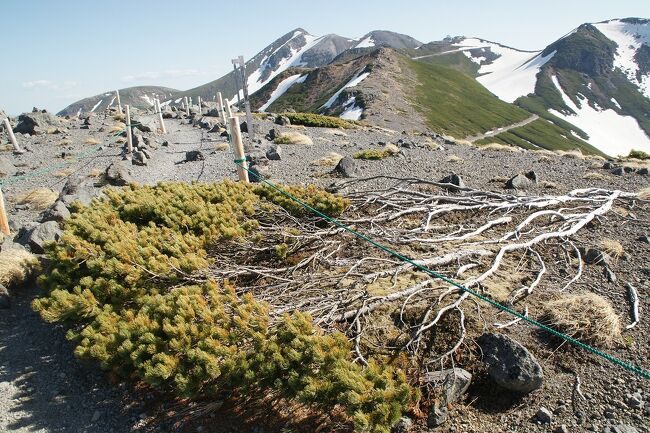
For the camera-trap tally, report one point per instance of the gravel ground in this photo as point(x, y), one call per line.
point(43, 388)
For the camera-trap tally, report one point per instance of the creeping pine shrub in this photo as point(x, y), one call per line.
point(117, 281)
point(638, 154)
point(317, 120)
point(371, 154)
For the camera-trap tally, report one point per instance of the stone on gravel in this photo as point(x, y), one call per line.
point(139, 158)
point(194, 155)
point(282, 120)
point(7, 168)
point(47, 232)
point(454, 382)
point(243, 127)
point(274, 153)
point(619, 171)
point(561, 429)
point(620, 428)
point(644, 239)
point(510, 364)
point(57, 212)
point(36, 123)
point(273, 134)
point(438, 415)
point(593, 256)
point(634, 401)
point(453, 179)
point(609, 165)
point(118, 174)
point(5, 298)
point(532, 176)
point(544, 416)
point(643, 171)
point(347, 167)
point(404, 425)
point(145, 124)
point(519, 181)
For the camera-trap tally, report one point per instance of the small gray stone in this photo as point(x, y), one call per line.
point(438, 415)
point(118, 174)
point(609, 165)
point(634, 401)
point(347, 167)
point(619, 171)
point(47, 232)
point(544, 416)
point(274, 153)
point(510, 364)
point(610, 275)
point(593, 256)
point(454, 383)
point(57, 212)
point(454, 179)
point(561, 429)
point(518, 182)
point(643, 171)
point(532, 176)
point(404, 425)
point(139, 158)
point(644, 239)
point(96, 416)
point(282, 120)
point(194, 155)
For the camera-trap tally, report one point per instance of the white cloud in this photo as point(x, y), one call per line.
point(169, 73)
point(51, 85)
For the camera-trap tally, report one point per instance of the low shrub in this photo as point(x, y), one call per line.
point(371, 154)
point(317, 120)
point(293, 138)
point(39, 198)
point(119, 281)
point(638, 154)
point(16, 266)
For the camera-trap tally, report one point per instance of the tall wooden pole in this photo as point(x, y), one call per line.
point(4, 222)
point(187, 107)
point(12, 137)
point(119, 102)
point(129, 138)
point(199, 105)
point(228, 110)
point(238, 148)
point(160, 116)
point(247, 104)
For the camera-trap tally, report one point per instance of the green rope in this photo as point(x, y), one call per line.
point(634, 369)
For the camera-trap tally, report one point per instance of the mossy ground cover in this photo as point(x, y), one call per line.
point(126, 280)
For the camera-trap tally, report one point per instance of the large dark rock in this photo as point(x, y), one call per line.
point(139, 158)
point(76, 189)
point(118, 174)
point(38, 123)
point(274, 153)
point(438, 415)
point(347, 167)
point(194, 155)
point(282, 120)
point(49, 231)
point(510, 364)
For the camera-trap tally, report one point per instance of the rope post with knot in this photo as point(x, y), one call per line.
point(238, 147)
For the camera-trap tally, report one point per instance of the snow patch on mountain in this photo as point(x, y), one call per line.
point(283, 87)
point(96, 105)
point(366, 43)
point(611, 133)
point(629, 37)
point(350, 109)
point(353, 82)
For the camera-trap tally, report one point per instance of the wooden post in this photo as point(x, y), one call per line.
point(238, 147)
point(12, 137)
point(228, 110)
point(187, 107)
point(4, 222)
point(199, 105)
point(221, 108)
point(129, 138)
point(160, 116)
point(119, 102)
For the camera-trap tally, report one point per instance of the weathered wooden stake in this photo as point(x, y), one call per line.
point(228, 109)
point(199, 105)
point(238, 148)
point(4, 222)
point(187, 107)
point(129, 138)
point(12, 137)
point(160, 117)
point(119, 102)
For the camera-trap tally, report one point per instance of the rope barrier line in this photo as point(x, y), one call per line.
point(632, 368)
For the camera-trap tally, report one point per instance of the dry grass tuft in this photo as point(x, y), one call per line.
point(118, 127)
point(594, 176)
point(612, 247)
point(596, 158)
point(549, 185)
point(329, 160)
point(501, 147)
point(16, 266)
point(120, 117)
point(39, 198)
point(221, 147)
point(454, 158)
point(464, 142)
point(65, 142)
point(587, 317)
point(293, 138)
point(64, 173)
point(91, 140)
point(644, 194)
point(6, 148)
point(575, 153)
point(95, 172)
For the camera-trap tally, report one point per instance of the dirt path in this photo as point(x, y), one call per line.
point(497, 131)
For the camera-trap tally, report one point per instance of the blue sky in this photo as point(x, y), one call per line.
point(58, 51)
